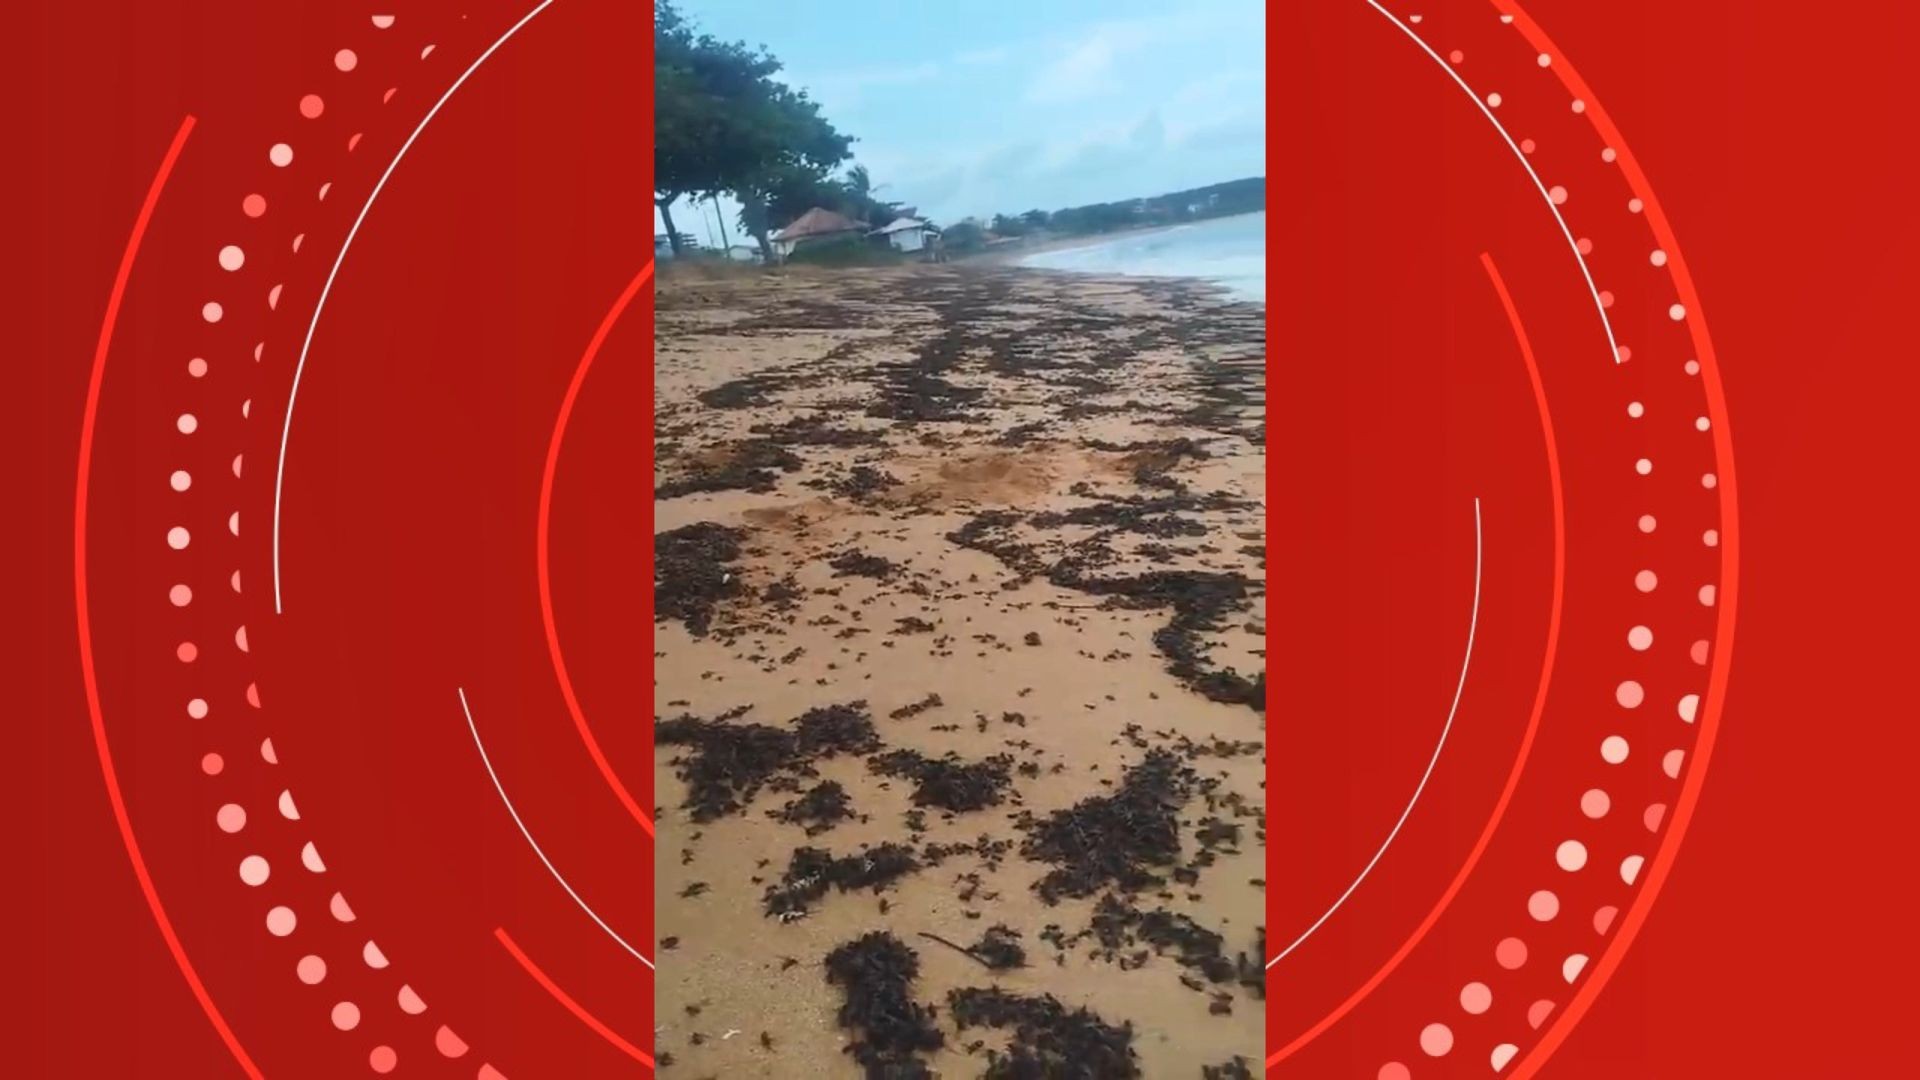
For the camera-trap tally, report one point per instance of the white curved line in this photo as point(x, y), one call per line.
point(531, 842)
point(1612, 345)
point(1473, 627)
point(299, 368)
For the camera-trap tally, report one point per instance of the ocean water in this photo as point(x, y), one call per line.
point(1231, 251)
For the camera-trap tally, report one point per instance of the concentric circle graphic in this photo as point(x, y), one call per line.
point(1515, 649)
point(357, 672)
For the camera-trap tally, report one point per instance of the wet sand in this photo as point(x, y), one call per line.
point(961, 625)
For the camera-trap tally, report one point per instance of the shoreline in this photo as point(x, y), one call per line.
point(1236, 286)
point(951, 558)
point(1069, 243)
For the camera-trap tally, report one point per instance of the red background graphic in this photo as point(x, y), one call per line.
point(509, 237)
point(1774, 136)
point(1768, 133)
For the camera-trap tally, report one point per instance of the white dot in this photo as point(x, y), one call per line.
point(281, 921)
point(1640, 638)
point(1647, 523)
point(1707, 593)
point(232, 258)
point(1693, 367)
point(1711, 538)
point(181, 480)
point(1634, 206)
point(1544, 906)
point(1630, 867)
point(1608, 155)
point(1436, 1040)
point(1476, 998)
point(197, 708)
point(1636, 410)
point(346, 1016)
point(231, 818)
point(181, 595)
point(311, 970)
point(1545, 60)
point(1574, 965)
point(1646, 581)
point(1702, 424)
point(212, 311)
point(1558, 194)
point(1709, 481)
point(1658, 257)
point(345, 60)
point(1596, 803)
point(1677, 312)
point(187, 423)
point(1629, 694)
point(254, 870)
point(1613, 750)
point(1643, 466)
point(1579, 106)
point(197, 367)
point(177, 538)
point(1571, 856)
point(1503, 1056)
point(281, 154)
point(1689, 707)
point(1493, 100)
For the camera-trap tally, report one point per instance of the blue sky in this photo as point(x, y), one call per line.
point(1005, 105)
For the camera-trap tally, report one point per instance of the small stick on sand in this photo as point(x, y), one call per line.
point(961, 949)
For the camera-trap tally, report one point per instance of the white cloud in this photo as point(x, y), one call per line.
point(1217, 99)
point(1086, 70)
point(980, 57)
point(1089, 66)
point(842, 91)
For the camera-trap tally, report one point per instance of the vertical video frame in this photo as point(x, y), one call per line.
point(960, 539)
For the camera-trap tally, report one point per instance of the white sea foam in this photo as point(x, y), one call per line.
point(1231, 251)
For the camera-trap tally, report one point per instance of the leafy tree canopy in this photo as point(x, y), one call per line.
point(722, 122)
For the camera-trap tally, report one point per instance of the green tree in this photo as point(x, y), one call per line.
point(799, 147)
point(966, 235)
point(722, 122)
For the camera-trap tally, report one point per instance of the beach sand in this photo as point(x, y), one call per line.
point(1005, 515)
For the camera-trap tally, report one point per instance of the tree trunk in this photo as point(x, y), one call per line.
point(726, 242)
point(753, 214)
point(666, 215)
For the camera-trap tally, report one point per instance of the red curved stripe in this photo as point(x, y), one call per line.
point(551, 987)
point(82, 482)
point(1540, 694)
point(1728, 602)
point(545, 517)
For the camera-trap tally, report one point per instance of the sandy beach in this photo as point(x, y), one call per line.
point(959, 675)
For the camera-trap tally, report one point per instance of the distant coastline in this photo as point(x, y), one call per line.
point(1013, 252)
point(1228, 251)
